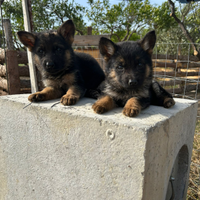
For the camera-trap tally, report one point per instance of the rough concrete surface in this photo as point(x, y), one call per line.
point(69, 152)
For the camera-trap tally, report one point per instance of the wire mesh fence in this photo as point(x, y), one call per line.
point(179, 71)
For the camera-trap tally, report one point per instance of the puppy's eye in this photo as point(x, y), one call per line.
point(41, 51)
point(140, 64)
point(119, 67)
point(58, 49)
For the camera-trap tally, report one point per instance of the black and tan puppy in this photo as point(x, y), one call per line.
point(65, 73)
point(129, 81)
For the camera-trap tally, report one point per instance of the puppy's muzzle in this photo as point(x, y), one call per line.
point(132, 82)
point(49, 65)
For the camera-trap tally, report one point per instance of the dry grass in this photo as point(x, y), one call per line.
point(193, 192)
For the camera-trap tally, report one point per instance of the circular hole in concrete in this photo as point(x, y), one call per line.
point(110, 134)
point(178, 180)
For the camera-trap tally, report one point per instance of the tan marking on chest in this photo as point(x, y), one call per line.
point(52, 83)
point(68, 55)
point(68, 79)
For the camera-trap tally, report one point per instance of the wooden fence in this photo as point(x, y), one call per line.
point(16, 71)
point(9, 64)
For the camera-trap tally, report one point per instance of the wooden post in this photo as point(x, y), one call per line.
point(8, 34)
point(32, 70)
point(89, 30)
point(12, 72)
point(12, 69)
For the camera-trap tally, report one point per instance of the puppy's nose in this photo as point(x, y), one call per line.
point(132, 82)
point(49, 64)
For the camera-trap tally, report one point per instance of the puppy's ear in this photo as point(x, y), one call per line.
point(67, 30)
point(26, 38)
point(148, 42)
point(107, 48)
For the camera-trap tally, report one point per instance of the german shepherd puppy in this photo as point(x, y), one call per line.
point(65, 73)
point(129, 81)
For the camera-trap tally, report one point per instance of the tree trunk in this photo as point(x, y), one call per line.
point(183, 28)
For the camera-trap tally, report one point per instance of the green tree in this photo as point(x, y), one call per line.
point(47, 14)
point(120, 20)
point(166, 27)
point(184, 18)
point(161, 19)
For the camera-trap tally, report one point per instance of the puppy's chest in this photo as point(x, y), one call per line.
point(126, 94)
point(63, 82)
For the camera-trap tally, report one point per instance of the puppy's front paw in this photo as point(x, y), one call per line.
point(103, 105)
point(98, 108)
point(168, 102)
point(68, 100)
point(132, 107)
point(36, 97)
point(131, 111)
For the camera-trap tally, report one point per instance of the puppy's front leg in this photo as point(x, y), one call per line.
point(103, 105)
point(72, 96)
point(46, 94)
point(134, 105)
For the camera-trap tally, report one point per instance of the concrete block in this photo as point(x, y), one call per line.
point(71, 153)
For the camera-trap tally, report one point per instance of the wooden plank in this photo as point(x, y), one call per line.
point(177, 74)
point(8, 34)
point(12, 72)
point(164, 64)
point(2, 56)
point(174, 65)
point(25, 83)
point(168, 82)
point(88, 40)
point(174, 57)
point(21, 57)
point(25, 90)
point(181, 90)
point(175, 91)
point(24, 71)
point(32, 70)
point(2, 70)
point(3, 93)
point(3, 84)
